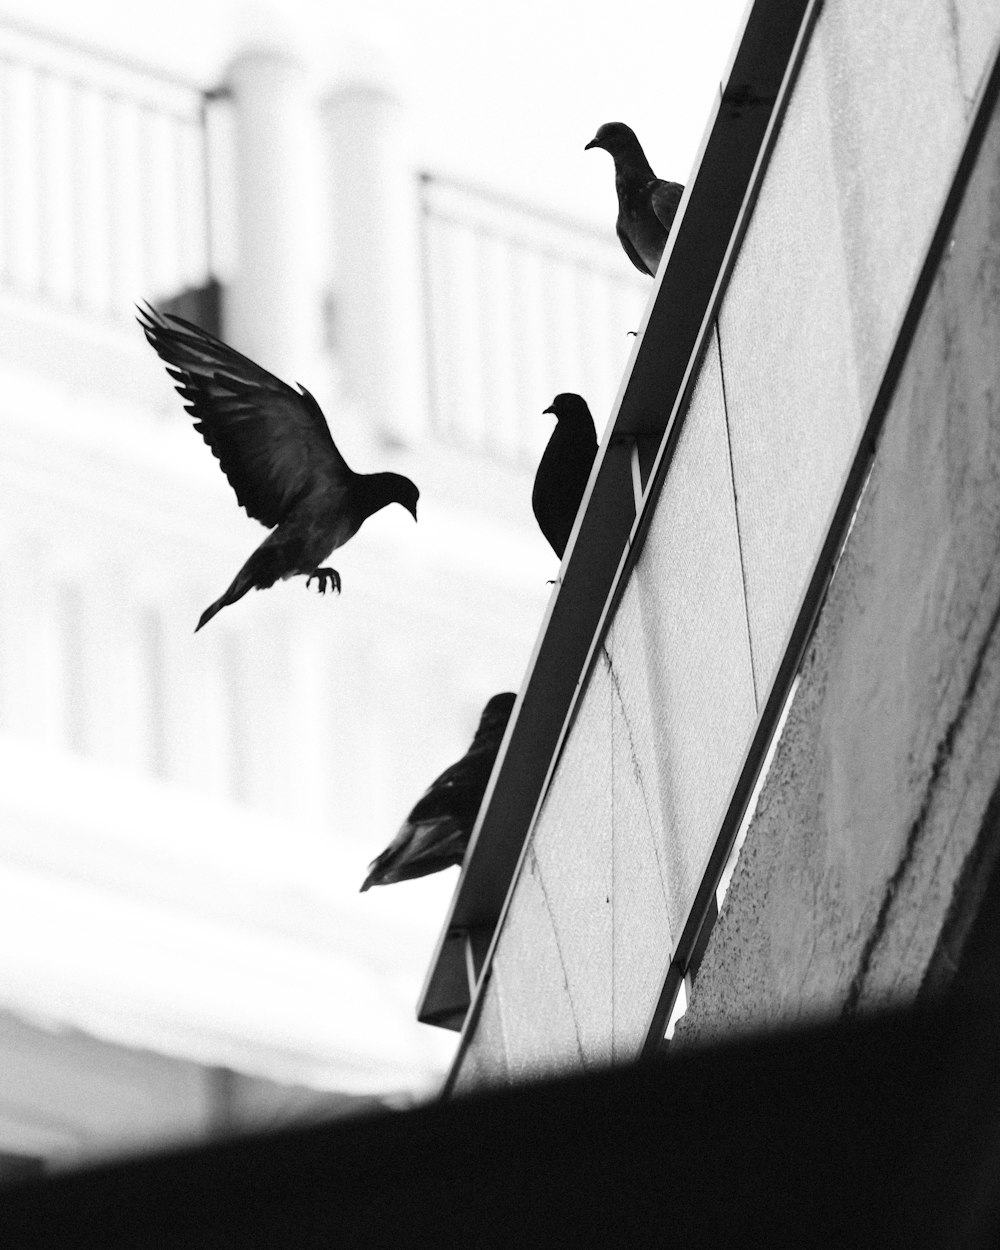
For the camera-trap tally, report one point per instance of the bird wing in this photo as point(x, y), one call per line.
point(436, 832)
point(458, 790)
point(419, 849)
point(272, 442)
point(664, 200)
point(630, 251)
point(546, 499)
point(560, 481)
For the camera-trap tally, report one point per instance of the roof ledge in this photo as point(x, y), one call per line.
point(691, 272)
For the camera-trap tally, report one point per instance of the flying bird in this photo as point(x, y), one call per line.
point(436, 832)
point(564, 469)
point(646, 204)
point(275, 447)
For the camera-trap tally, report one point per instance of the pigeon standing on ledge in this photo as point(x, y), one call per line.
point(564, 470)
point(436, 833)
point(275, 447)
point(647, 205)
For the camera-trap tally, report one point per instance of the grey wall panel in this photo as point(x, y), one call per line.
point(571, 848)
point(689, 589)
point(641, 941)
point(855, 185)
point(529, 979)
point(789, 366)
point(475, 1073)
point(846, 210)
point(485, 1060)
point(897, 112)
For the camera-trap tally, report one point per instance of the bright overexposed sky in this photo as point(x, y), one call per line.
point(501, 95)
point(505, 95)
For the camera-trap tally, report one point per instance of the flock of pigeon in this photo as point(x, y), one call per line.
point(275, 447)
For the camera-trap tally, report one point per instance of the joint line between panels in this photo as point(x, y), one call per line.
point(736, 510)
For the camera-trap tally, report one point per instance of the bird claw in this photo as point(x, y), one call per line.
point(324, 577)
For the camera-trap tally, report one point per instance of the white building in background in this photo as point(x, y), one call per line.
point(185, 821)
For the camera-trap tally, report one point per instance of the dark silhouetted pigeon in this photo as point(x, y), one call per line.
point(275, 447)
point(646, 204)
point(564, 469)
point(436, 832)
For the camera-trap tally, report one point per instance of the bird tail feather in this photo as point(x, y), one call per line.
point(263, 569)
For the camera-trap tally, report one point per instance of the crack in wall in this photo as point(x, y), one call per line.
point(955, 30)
point(942, 758)
point(536, 868)
point(633, 754)
point(736, 513)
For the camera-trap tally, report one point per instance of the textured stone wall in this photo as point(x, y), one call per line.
point(882, 797)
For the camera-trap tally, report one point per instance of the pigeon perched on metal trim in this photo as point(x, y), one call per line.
point(647, 205)
point(436, 833)
point(275, 447)
point(564, 470)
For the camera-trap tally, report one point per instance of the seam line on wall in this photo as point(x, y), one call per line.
point(736, 510)
point(638, 774)
point(559, 952)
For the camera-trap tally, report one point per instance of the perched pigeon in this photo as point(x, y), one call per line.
point(564, 469)
point(436, 833)
point(275, 447)
point(646, 204)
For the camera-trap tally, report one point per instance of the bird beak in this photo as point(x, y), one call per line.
point(413, 511)
point(551, 408)
point(592, 144)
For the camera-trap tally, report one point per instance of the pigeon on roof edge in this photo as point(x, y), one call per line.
point(436, 833)
point(647, 205)
point(564, 470)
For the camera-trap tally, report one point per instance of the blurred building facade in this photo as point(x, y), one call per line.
point(793, 647)
point(185, 821)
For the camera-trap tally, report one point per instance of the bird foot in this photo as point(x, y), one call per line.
point(325, 577)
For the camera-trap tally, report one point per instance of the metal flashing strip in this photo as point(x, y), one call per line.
point(697, 928)
point(650, 404)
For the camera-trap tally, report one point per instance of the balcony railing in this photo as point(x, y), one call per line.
point(103, 178)
point(519, 305)
point(117, 183)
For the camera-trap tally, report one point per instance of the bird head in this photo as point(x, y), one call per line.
point(614, 137)
point(382, 489)
point(406, 493)
point(495, 716)
point(568, 406)
point(499, 707)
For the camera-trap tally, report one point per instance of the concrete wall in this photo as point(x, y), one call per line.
point(854, 188)
point(887, 777)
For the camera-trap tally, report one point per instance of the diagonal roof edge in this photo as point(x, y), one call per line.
point(724, 177)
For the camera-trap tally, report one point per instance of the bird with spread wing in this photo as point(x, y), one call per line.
point(275, 447)
point(564, 470)
point(436, 833)
point(647, 205)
